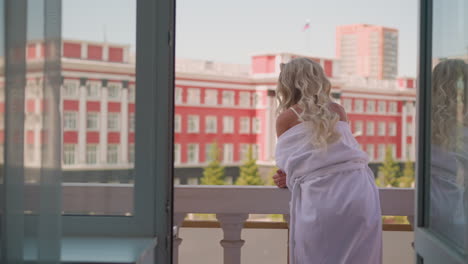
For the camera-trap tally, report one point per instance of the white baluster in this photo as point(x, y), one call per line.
point(232, 225)
point(178, 220)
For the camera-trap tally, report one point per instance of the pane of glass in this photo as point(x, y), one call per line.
point(98, 101)
point(449, 123)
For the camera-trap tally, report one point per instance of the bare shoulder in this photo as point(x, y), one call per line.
point(337, 108)
point(284, 121)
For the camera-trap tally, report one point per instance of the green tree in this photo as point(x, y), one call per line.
point(249, 171)
point(213, 174)
point(407, 179)
point(389, 172)
point(271, 173)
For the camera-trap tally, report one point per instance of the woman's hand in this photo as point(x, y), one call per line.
point(280, 179)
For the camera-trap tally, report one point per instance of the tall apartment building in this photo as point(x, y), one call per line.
point(367, 51)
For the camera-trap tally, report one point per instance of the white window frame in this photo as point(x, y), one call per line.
point(177, 123)
point(196, 153)
point(177, 153)
point(409, 129)
point(113, 121)
point(381, 130)
point(257, 99)
point(256, 125)
point(370, 128)
point(358, 105)
point(245, 99)
point(243, 151)
point(211, 97)
point(114, 90)
point(92, 118)
point(244, 124)
point(381, 151)
point(131, 153)
point(211, 124)
point(193, 124)
point(348, 104)
point(112, 154)
point(228, 124)
point(179, 91)
point(92, 158)
point(393, 107)
point(256, 151)
point(70, 120)
point(382, 107)
point(193, 96)
point(228, 98)
point(131, 93)
point(370, 106)
point(359, 126)
point(392, 129)
point(93, 89)
point(74, 85)
point(69, 154)
point(228, 153)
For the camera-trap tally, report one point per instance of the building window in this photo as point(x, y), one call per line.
point(409, 129)
point(244, 125)
point(131, 93)
point(209, 152)
point(70, 120)
point(228, 153)
point(70, 88)
point(192, 156)
point(211, 97)
point(393, 107)
point(131, 153)
point(228, 124)
point(382, 107)
point(93, 88)
point(112, 154)
point(244, 99)
point(211, 124)
point(392, 129)
point(177, 153)
point(92, 121)
point(381, 129)
point(358, 106)
point(113, 90)
point(370, 106)
point(193, 96)
point(370, 151)
point(257, 99)
point(131, 122)
point(177, 124)
point(91, 154)
point(256, 125)
point(178, 95)
point(381, 152)
point(113, 121)
point(347, 104)
point(193, 124)
point(69, 154)
point(256, 151)
point(244, 150)
point(393, 149)
point(228, 98)
point(358, 127)
point(370, 128)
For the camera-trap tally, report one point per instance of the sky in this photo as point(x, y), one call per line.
point(231, 31)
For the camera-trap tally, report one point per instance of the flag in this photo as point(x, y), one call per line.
point(306, 26)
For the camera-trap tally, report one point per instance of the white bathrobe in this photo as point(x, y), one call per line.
point(335, 215)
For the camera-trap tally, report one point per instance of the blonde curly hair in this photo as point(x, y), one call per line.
point(303, 82)
point(448, 108)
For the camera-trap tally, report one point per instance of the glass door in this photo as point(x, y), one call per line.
point(441, 232)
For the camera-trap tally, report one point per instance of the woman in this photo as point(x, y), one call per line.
point(335, 208)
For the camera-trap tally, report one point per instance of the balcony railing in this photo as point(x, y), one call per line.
point(231, 204)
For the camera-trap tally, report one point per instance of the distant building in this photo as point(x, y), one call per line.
point(367, 51)
point(228, 104)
